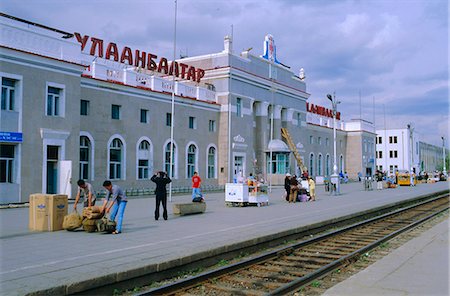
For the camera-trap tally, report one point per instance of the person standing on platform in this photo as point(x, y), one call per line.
point(196, 183)
point(312, 189)
point(161, 180)
point(117, 200)
point(287, 185)
point(85, 189)
point(412, 177)
point(379, 178)
point(293, 189)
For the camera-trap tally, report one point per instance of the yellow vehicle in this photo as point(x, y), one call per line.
point(404, 179)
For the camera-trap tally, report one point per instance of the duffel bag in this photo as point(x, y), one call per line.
point(106, 225)
point(72, 221)
point(89, 225)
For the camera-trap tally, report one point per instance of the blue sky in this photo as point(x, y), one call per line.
point(394, 53)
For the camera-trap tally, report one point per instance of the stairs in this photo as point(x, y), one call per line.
point(285, 134)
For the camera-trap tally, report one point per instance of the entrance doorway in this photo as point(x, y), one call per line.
point(239, 165)
point(52, 169)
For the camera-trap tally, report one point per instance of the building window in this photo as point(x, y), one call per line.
point(115, 159)
point(299, 119)
point(311, 140)
point(211, 162)
point(170, 172)
point(319, 140)
point(327, 142)
point(85, 148)
point(393, 168)
point(279, 163)
point(54, 101)
point(144, 116)
point(379, 154)
point(143, 160)
point(311, 165)
point(379, 140)
point(168, 119)
point(191, 160)
point(212, 126)
point(393, 154)
point(239, 107)
point(192, 122)
point(8, 90)
point(319, 165)
point(327, 165)
point(395, 139)
point(115, 111)
point(84, 107)
point(6, 163)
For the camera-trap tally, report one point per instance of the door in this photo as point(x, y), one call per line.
point(239, 167)
point(52, 169)
point(65, 177)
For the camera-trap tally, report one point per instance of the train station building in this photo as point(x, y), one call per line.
point(76, 106)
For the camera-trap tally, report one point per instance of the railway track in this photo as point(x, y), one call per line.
point(287, 269)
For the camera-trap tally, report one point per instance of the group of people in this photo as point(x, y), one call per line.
point(293, 186)
point(115, 201)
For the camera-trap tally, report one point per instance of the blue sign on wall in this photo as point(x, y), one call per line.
point(10, 137)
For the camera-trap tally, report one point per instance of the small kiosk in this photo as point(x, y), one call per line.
point(241, 194)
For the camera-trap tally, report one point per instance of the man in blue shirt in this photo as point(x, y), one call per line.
point(117, 200)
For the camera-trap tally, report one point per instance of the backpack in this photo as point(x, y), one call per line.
point(198, 199)
point(106, 225)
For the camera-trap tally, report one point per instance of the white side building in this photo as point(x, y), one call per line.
point(397, 150)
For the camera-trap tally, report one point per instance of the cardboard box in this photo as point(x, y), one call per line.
point(47, 211)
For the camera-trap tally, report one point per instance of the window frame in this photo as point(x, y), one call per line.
point(117, 109)
point(192, 122)
point(144, 146)
point(8, 101)
point(57, 100)
point(84, 165)
point(144, 114)
point(86, 110)
point(7, 162)
point(238, 107)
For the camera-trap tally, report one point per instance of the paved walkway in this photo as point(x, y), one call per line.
point(65, 262)
point(419, 267)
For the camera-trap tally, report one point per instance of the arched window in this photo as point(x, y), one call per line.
point(327, 164)
point(191, 160)
point(311, 164)
point(170, 172)
point(144, 160)
point(85, 154)
point(319, 165)
point(211, 163)
point(115, 159)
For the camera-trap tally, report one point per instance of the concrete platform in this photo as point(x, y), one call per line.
point(419, 267)
point(64, 262)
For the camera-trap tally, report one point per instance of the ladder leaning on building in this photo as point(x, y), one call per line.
point(285, 134)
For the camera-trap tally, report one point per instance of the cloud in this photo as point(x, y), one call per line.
point(393, 51)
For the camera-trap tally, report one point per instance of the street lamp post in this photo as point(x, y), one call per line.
point(444, 171)
point(411, 139)
point(334, 176)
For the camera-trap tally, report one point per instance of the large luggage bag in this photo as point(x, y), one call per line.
point(72, 221)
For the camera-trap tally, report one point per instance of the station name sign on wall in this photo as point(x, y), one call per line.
point(137, 58)
point(319, 110)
